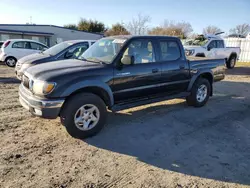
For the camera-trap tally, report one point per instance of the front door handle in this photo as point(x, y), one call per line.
point(182, 66)
point(155, 70)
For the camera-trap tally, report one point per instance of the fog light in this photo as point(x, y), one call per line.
point(38, 112)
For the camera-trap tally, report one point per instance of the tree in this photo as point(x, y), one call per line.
point(70, 26)
point(91, 26)
point(185, 27)
point(117, 29)
point(167, 31)
point(242, 29)
point(211, 30)
point(138, 26)
point(172, 28)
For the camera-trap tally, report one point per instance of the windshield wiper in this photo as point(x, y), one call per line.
point(93, 61)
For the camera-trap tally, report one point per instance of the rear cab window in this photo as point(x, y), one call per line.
point(169, 50)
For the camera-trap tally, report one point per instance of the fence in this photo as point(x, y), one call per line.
point(244, 45)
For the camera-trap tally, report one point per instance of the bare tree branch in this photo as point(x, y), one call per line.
point(211, 30)
point(138, 25)
point(242, 29)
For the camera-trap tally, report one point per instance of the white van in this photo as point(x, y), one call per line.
point(14, 49)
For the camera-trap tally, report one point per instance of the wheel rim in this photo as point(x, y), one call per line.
point(201, 93)
point(86, 117)
point(11, 61)
point(232, 62)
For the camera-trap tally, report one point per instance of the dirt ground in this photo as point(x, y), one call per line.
point(165, 144)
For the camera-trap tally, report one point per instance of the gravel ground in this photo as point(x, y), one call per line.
point(165, 144)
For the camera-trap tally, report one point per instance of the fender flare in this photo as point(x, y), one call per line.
point(89, 83)
point(197, 75)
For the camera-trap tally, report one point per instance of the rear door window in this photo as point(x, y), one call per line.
point(170, 50)
point(22, 45)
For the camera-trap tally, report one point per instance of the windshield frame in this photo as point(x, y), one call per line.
point(115, 55)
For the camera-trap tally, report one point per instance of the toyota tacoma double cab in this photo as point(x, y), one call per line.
point(116, 73)
point(212, 46)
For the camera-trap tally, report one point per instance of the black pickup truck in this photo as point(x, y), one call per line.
point(116, 73)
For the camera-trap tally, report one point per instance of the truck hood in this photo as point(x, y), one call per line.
point(29, 59)
point(58, 70)
point(192, 47)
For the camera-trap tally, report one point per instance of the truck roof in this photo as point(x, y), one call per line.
point(142, 36)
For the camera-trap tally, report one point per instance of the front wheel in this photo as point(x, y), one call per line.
point(84, 115)
point(200, 93)
point(10, 61)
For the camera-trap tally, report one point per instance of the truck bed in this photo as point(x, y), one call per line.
point(217, 66)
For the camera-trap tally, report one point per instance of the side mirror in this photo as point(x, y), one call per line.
point(68, 55)
point(208, 48)
point(127, 60)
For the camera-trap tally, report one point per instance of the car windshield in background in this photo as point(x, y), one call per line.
point(57, 48)
point(103, 50)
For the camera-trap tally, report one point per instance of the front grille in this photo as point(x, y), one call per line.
point(26, 81)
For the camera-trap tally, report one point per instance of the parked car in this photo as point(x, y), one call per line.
point(1, 43)
point(63, 50)
point(14, 49)
point(212, 46)
point(116, 72)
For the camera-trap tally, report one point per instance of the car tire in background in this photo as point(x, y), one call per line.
point(231, 62)
point(200, 93)
point(84, 115)
point(10, 61)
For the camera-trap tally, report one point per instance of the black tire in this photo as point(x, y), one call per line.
point(10, 61)
point(192, 99)
point(71, 107)
point(231, 62)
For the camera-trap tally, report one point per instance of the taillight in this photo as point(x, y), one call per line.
point(6, 44)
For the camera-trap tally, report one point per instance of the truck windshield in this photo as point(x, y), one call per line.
point(199, 41)
point(104, 50)
point(57, 48)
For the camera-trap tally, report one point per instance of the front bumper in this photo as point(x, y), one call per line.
point(45, 108)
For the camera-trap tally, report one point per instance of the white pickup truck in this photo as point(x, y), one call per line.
point(212, 46)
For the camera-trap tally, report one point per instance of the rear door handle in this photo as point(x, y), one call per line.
point(182, 67)
point(155, 70)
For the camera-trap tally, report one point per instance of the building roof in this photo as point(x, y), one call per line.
point(25, 32)
point(49, 26)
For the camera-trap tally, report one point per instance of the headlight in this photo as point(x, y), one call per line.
point(41, 87)
point(189, 52)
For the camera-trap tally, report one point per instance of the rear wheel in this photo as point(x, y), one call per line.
point(10, 61)
point(200, 93)
point(84, 115)
point(231, 62)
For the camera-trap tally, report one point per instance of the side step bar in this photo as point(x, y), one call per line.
point(145, 101)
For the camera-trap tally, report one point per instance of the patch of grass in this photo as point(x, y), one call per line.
point(243, 64)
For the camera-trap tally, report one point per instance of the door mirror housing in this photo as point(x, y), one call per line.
point(68, 55)
point(127, 60)
point(209, 48)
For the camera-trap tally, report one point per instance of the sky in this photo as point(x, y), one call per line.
point(224, 14)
